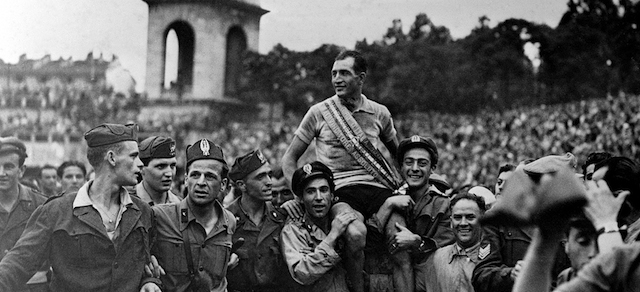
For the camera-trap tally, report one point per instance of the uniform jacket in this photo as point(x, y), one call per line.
point(11, 229)
point(261, 263)
point(430, 218)
point(81, 254)
point(210, 252)
point(503, 247)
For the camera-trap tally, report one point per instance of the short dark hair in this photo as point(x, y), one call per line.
point(95, 155)
point(506, 167)
point(595, 158)
point(46, 166)
point(623, 174)
point(464, 195)
point(70, 163)
point(359, 62)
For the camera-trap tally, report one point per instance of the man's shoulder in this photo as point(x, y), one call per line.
point(34, 195)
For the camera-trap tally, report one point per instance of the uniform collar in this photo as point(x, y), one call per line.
point(471, 252)
point(189, 214)
point(82, 198)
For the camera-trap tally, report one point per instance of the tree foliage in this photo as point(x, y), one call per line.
point(595, 50)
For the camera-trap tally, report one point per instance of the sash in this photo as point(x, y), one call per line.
point(355, 141)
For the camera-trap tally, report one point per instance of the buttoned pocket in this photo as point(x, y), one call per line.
point(171, 257)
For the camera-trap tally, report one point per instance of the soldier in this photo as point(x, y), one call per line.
point(426, 208)
point(261, 266)
point(193, 239)
point(17, 202)
point(48, 181)
point(72, 175)
point(97, 239)
point(158, 155)
point(311, 245)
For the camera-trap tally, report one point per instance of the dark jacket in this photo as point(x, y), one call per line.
point(506, 245)
point(81, 254)
point(431, 220)
point(261, 263)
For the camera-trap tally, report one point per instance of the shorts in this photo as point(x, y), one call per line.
point(365, 199)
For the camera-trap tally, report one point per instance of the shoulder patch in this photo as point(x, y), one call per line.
point(484, 251)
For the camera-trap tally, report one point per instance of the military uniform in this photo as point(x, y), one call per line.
point(12, 224)
point(430, 218)
point(82, 255)
point(139, 191)
point(210, 252)
point(261, 265)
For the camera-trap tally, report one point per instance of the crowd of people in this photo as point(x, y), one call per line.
point(565, 175)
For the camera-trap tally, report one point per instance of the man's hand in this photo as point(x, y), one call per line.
point(401, 202)
point(602, 207)
point(153, 268)
point(294, 209)
point(516, 270)
point(150, 287)
point(233, 261)
point(404, 239)
point(340, 223)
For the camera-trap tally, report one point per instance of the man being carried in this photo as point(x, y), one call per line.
point(158, 154)
point(348, 129)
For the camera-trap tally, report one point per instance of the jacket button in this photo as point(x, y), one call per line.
point(201, 269)
point(204, 245)
point(115, 265)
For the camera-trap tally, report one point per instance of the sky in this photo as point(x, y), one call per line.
point(73, 28)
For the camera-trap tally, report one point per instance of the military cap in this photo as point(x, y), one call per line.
point(13, 145)
point(246, 164)
point(106, 134)
point(157, 147)
point(204, 149)
point(307, 172)
point(416, 141)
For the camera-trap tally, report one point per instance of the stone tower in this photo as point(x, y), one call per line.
point(212, 35)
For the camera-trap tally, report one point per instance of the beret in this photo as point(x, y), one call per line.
point(416, 141)
point(308, 171)
point(204, 149)
point(13, 145)
point(157, 147)
point(246, 164)
point(106, 134)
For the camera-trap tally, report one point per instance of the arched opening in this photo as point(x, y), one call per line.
point(178, 58)
point(236, 45)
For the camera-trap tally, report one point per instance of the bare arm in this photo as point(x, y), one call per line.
point(392, 146)
point(290, 158)
point(539, 261)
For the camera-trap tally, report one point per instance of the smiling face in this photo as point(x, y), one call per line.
point(127, 163)
point(258, 183)
point(317, 198)
point(465, 221)
point(159, 173)
point(10, 171)
point(204, 181)
point(346, 82)
point(416, 168)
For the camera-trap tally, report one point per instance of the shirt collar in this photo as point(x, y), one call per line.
point(82, 197)
point(221, 211)
point(366, 106)
point(471, 252)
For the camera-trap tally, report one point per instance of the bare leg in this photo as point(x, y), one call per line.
point(355, 241)
point(402, 269)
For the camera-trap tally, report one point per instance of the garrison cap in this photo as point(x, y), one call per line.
point(106, 134)
point(416, 141)
point(308, 171)
point(246, 164)
point(13, 145)
point(157, 147)
point(204, 149)
point(550, 164)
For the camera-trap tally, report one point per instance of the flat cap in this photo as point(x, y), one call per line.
point(307, 172)
point(246, 164)
point(106, 134)
point(204, 149)
point(157, 147)
point(416, 141)
point(12, 145)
